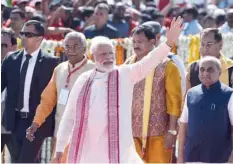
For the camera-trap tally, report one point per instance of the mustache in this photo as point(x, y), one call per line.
point(136, 48)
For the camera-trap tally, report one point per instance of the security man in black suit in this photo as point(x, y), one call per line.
point(25, 74)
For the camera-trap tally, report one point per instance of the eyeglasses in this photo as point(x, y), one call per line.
point(75, 47)
point(28, 34)
point(4, 45)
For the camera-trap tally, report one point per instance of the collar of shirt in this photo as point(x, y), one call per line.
point(213, 87)
point(102, 29)
point(225, 28)
point(34, 54)
point(192, 23)
point(102, 75)
point(77, 64)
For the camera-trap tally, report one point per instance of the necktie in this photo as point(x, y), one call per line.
point(22, 82)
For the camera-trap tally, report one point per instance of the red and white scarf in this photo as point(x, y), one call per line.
point(81, 120)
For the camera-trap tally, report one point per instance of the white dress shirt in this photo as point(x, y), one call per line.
point(28, 78)
point(184, 115)
point(225, 28)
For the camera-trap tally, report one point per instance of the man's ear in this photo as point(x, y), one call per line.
point(14, 48)
point(220, 72)
point(153, 41)
point(156, 40)
point(158, 36)
point(92, 57)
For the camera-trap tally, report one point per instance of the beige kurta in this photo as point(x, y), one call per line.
point(50, 95)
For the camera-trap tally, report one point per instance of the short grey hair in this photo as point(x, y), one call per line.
point(211, 59)
point(77, 35)
point(99, 40)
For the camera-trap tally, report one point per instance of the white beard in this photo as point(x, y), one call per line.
point(103, 68)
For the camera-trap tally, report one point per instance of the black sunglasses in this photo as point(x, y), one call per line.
point(28, 34)
point(4, 45)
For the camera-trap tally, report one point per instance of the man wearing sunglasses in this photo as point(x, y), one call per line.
point(25, 74)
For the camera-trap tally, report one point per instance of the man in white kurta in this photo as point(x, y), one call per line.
point(95, 146)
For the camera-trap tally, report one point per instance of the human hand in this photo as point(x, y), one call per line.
point(170, 141)
point(174, 31)
point(31, 130)
point(57, 158)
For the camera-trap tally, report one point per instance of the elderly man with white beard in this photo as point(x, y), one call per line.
point(97, 119)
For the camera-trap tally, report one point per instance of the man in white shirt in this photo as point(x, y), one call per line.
point(97, 118)
point(25, 74)
point(206, 130)
point(228, 25)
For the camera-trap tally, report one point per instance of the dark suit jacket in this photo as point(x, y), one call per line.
point(43, 71)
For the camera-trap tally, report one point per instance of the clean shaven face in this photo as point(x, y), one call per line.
point(209, 73)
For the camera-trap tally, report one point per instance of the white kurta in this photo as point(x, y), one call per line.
point(95, 147)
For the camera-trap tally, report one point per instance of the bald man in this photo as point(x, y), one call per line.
point(206, 130)
point(62, 81)
point(228, 25)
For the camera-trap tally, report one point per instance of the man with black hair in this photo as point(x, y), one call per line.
point(17, 19)
point(8, 40)
point(220, 20)
point(101, 26)
point(160, 18)
point(117, 20)
point(156, 99)
point(86, 16)
point(228, 25)
point(209, 22)
point(210, 45)
point(8, 44)
point(51, 32)
point(192, 27)
point(175, 58)
point(201, 15)
point(25, 74)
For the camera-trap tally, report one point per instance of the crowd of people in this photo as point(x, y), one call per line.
point(151, 109)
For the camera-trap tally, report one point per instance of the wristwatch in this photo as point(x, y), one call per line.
point(173, 132)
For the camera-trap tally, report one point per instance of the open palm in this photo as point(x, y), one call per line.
point(174, 31)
